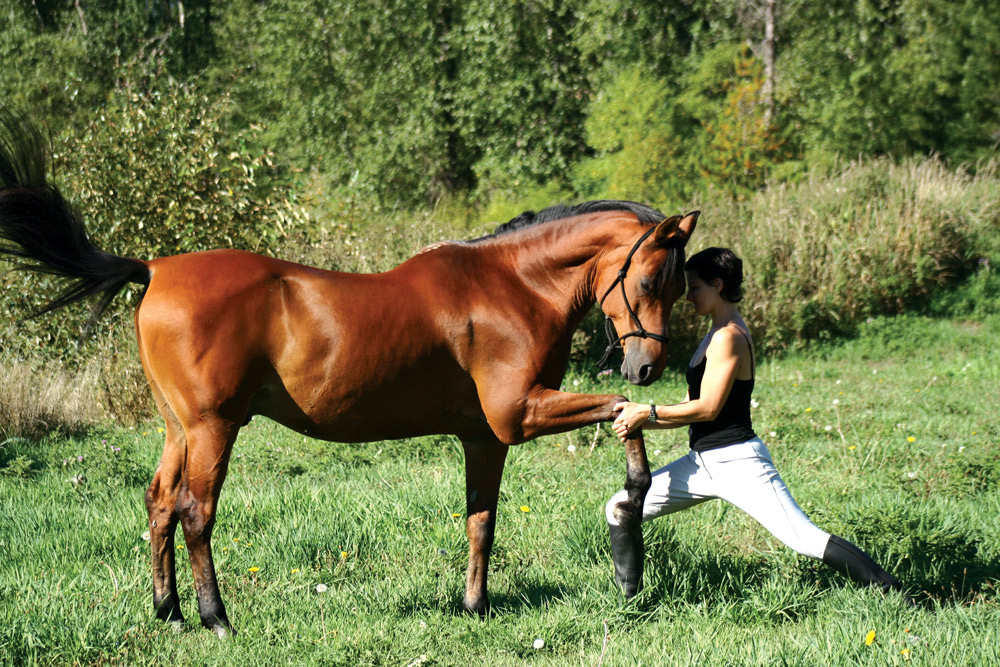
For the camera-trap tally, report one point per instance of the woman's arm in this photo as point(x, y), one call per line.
point(723, 356)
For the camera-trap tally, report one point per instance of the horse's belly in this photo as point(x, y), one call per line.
point(352, 411)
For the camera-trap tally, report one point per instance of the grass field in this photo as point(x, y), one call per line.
point(888, 439)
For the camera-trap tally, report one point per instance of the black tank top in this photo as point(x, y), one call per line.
point(733, 423)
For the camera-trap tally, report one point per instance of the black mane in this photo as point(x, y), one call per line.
point(646, 214)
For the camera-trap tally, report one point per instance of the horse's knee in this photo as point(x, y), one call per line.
point(153, 494)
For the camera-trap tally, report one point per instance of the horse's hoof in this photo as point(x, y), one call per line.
point(223, 631)
point(220, 626)
point(169, 611)
point(629, 518)
point(480, 608)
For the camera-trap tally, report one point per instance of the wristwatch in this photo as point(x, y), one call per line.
point(652, 414)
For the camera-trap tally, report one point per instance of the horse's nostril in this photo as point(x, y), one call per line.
point(644, 372)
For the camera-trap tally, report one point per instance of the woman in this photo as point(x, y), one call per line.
point(727, 460)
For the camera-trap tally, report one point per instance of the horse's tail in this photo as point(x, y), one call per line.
point(39, 231)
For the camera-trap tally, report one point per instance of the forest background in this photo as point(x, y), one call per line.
point(846, 149)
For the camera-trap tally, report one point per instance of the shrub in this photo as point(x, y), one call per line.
point(877, 239)
point(155, 173)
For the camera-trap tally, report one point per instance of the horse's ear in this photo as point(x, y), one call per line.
point(676, 230)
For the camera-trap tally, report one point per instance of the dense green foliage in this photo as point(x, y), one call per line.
point(404, 103)
point(888, 439)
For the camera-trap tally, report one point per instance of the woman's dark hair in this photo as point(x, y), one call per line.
point(712, 263)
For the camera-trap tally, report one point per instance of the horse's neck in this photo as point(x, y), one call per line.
point(562, 258)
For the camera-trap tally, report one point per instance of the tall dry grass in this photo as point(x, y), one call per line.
point(37, 399)
point(823, 255)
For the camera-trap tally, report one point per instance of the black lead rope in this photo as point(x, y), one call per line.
point(614, 341)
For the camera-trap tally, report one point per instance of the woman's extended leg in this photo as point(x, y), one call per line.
point(748, 479)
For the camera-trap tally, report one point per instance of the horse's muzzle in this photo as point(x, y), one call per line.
point(641, 374)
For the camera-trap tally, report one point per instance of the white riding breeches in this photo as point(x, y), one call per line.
point(741, 474)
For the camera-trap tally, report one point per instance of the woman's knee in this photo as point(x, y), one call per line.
point(610, 506)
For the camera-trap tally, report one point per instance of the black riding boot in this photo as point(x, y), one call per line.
point(627, 552)
point(851, 561)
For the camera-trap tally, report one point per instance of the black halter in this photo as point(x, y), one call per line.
point(609, 326)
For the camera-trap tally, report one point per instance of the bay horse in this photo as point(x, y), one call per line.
point(466, 338)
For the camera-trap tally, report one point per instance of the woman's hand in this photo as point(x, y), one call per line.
point(631, 417)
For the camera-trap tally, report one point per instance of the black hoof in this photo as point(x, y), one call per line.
point(170, 612)
point(220, 626)
point(480, 608)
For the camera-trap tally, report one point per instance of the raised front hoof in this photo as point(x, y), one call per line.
point(629, 518)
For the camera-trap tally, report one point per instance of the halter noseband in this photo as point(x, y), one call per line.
point(609, 326)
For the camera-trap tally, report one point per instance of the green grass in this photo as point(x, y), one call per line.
point(374, 523)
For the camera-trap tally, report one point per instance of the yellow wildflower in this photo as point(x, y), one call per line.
point(254, 569)
point(853, 447)
point(911, 439)
point(525, 508)
point(343, 555)
point(455, 514)
point(869, 638)
point(295, 570)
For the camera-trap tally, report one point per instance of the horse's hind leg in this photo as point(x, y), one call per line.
point(484, 461)
point(209, 444)
point(161, 505)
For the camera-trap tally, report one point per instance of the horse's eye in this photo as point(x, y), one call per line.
point(646, 286)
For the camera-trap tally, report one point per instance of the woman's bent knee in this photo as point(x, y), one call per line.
point(610, 506)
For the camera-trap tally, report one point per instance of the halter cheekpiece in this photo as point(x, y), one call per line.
point(609, 326)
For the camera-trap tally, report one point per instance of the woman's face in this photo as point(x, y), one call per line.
point(703, 295)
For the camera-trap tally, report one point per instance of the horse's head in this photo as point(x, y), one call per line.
point(642, 289)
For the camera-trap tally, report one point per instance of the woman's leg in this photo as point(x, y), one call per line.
point(852, 562)
point(676, 486)
point(748, 479)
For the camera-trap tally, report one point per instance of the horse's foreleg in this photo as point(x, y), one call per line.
point(209, 446)
point(484, 461)
point(549, 411)
point(161, 503)
point(628, 513)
